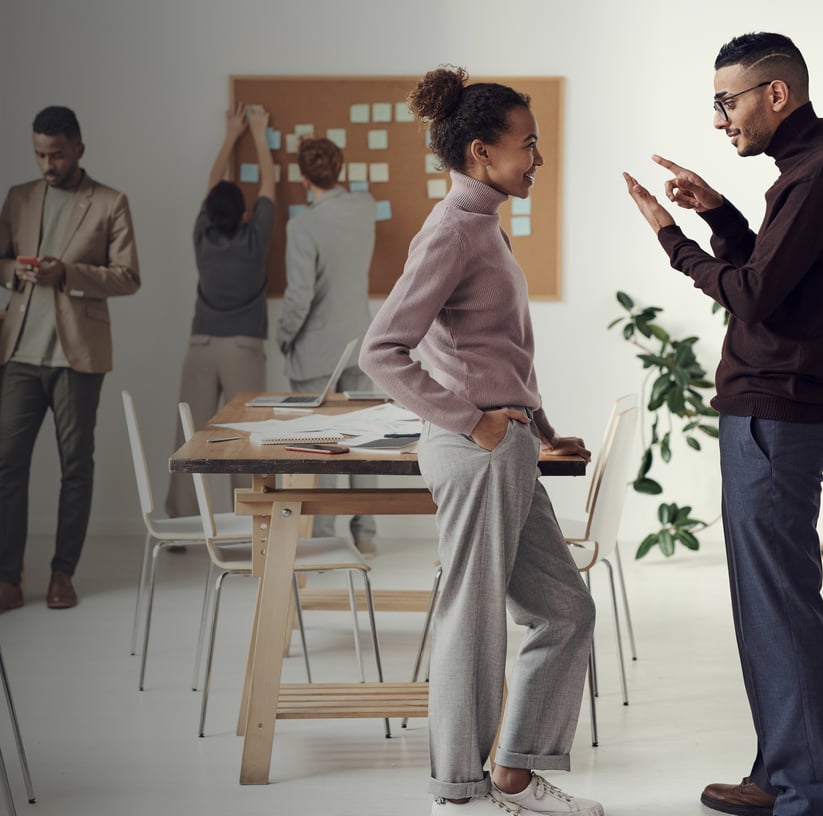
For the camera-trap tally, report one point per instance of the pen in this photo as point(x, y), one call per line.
point(224, 438)
point(402, 436)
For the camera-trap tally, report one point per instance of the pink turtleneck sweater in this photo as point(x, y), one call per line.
point(463, 301)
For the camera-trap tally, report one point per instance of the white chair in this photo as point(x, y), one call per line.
point(162, 533)
point(598, 540)
point(312, 555)
point(21, 752)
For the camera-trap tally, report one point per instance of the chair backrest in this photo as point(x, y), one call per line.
point(609, 493)
point(138, 456)
point(202, 493)
point(620, 404)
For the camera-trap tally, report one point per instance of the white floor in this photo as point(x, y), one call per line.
point(96, 745)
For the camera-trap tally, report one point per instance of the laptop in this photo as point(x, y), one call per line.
point(308, 400)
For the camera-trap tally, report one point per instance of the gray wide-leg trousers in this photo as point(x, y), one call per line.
point(500, 546)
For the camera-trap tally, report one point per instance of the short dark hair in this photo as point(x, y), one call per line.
point(458, 113)
point(320, 161)
point(57, 121)
point(225, 206)
point(772, 56)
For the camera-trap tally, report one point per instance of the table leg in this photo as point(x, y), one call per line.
point(244, 700)
point(269, 641)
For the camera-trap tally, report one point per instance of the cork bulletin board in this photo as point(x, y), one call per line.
point(385, 152)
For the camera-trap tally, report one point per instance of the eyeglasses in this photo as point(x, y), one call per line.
point(720, 104)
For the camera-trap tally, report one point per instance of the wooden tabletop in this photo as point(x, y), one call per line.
point(199, 456)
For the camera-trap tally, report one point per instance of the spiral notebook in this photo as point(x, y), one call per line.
point(296, 439)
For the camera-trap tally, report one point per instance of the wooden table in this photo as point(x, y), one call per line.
point(281, 515)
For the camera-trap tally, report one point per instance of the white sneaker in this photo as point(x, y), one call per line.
point(486, 805)
point(540, 796)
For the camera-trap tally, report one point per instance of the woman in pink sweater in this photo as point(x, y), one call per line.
point(462, 301)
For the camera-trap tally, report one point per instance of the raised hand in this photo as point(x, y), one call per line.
point(654, 212)
point(687, 189)
point(236, 121)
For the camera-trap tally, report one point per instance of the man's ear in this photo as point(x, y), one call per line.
point(778, 95)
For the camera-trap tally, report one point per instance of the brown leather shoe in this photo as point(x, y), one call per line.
point(61, 594)
point(745, 799)
point(11, 596)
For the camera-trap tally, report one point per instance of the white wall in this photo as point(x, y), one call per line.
point(149, 82)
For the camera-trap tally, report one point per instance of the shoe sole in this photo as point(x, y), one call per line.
point(735, 810)
point(61, 605)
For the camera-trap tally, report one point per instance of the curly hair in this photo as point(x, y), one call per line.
point(320, 161)
point(57, 121)
point(458, 113)
point(225, 206)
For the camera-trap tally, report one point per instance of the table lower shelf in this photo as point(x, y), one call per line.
point(308, 701)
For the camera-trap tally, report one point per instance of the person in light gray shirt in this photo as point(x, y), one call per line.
point(329, 247)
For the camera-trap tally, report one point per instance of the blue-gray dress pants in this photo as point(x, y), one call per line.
point(771, 500)
point(500, 545)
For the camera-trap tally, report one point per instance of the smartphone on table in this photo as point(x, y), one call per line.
point(312, 448)
point(28, 260)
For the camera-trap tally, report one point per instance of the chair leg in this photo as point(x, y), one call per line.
point(4, 776)
point(201, 635)
point(375, 642)
point(141, 587)
point(623, 684)
point(300, 625)
point(18, 739)
point(356, 627)
point(622, 579)
point(425, 636)
point(210, 650)
point(593, 668)
point(149, 605)
point(592, 700)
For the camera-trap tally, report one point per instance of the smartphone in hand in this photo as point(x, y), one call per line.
point(311, 448)
point(28, 260)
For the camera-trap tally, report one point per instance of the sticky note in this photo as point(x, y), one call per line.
point(358, 186)
point(341, 176)
point(383, 211)
point(273, 139)
point(381, 112)
point(359, 113)
point(304, 130)
point(402, 112)
point(436, 188)
point(378, 139)
point(292, 141)
point(338, 136)
point(379, 171)
point(296, 209)
point(294, 172)
point(358, 171)
point(249, 172)
point(433, 164)
point(521, 206)
point(521, 226)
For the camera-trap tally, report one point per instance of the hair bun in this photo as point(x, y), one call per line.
point(438, 93)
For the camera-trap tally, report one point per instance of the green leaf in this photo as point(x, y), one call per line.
point(628, 331)
point(665, 541)
point(710, 430)
point(665, 449)
point(675, 401)
point(648, 486)
point(664, 513)
point(645, 463)
point(692, 443)
point(681, 514)
point(687, 539)
point(625, 301)
point(615, 322)
point(646, 545)
point(659, 332)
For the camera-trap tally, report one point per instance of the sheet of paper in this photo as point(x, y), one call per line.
point(359, 113)
point(433, 164)
point(358, 186)
point(358, 171)
point(521, 226)
point(338, 136)
point(249, 172)
point(383, 210)
point(379, 171)
point(402, 112)
point(521, 206)
point(294, 172)
point(381, 112)
point(378, 139)
point(304, 130)
point(273, 139)
point(291, 142)
point(436, 188)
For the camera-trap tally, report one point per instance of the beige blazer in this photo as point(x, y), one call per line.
point(100, 256)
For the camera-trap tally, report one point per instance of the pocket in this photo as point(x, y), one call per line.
point(98, 313)
point(199, 340)
point(253, 343)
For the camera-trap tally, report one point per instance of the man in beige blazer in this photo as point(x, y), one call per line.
point(66, 245)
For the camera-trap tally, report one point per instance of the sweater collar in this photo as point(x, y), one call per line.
point(472, 195)
point(334, 192)
point(793, 134)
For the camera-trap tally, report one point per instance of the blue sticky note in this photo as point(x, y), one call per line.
point(249, 172)
point(273, 139)
point(521, 206)
point(383, 211)
point(521, 226)
point(296, 209)
point(359, 186)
